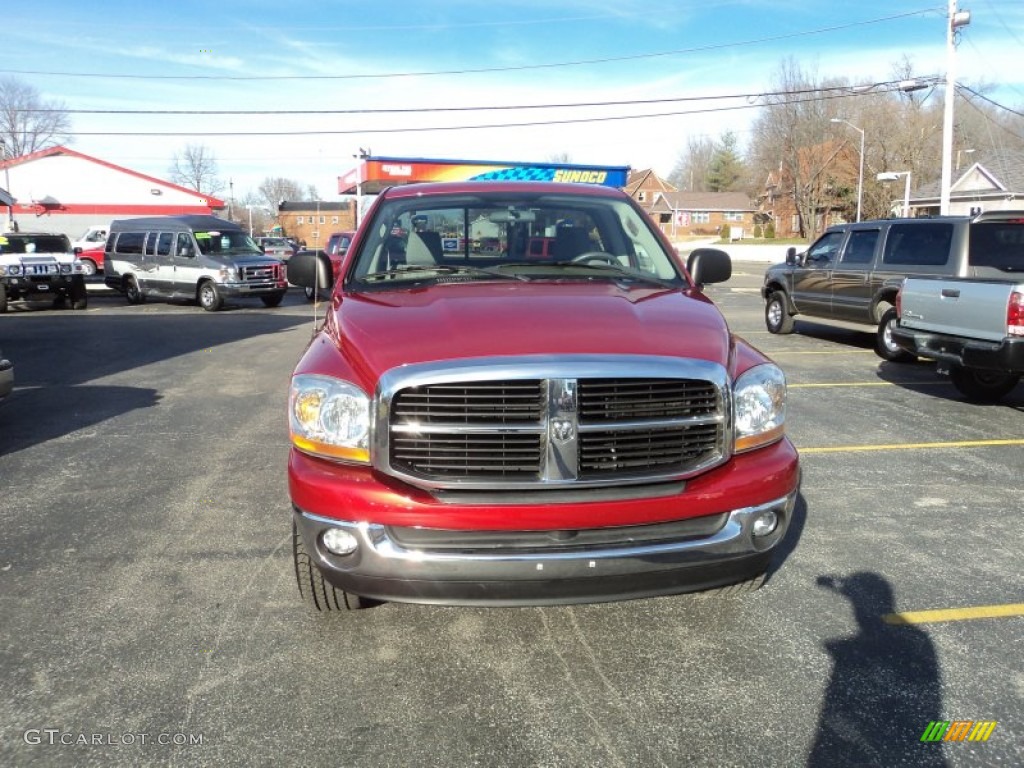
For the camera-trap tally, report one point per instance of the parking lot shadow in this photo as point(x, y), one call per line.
point(921, 376)
point(56, 353)
point(21, 425)
point(885, 686)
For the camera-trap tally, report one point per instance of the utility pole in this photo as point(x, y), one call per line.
point(956, 20)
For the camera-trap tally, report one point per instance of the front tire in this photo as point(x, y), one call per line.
point(885, 347)
point(318, 593)
point(272, 299)
point(88, 267)
point(776, 314)
point(983, 386)
point(209, 297)
point(132, 292)
point(3, 299)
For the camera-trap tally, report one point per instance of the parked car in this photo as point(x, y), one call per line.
point(973, 329)
point(6, 377)
point(36, 265)
point(91, 259)
point(338, 243)
point(853, 271)
point(483, 427)
point(200, 258)
point(278, 247)
point(93, 237)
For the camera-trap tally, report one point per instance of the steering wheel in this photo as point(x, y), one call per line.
point(596, 256)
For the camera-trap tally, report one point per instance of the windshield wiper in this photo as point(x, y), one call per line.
point(444, 269)
point(618, 271)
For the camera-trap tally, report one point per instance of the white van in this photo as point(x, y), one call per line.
point(198, 258)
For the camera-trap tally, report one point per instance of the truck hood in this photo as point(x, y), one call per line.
point(379, 331)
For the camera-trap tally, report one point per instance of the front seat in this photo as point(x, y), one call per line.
point(570, 242)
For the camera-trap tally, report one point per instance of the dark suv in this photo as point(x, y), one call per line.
point(853, 271)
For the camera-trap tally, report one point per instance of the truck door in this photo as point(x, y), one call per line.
point(851, 278)
point(812, 290)
point(158, 262)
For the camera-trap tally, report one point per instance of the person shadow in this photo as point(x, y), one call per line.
point(885, 687)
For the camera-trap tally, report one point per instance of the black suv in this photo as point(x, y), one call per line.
point(853, 271)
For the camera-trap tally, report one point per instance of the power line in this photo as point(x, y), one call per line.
point(427, 129)
point(483, 70)
point(845, 89)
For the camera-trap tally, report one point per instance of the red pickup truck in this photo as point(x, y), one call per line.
point(482, 427)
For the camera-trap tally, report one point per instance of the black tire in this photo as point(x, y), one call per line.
point(318, 593)
point(77, 294)
point(272, 299)
point(736, 590)
point(59, 301)
point(132, 292)
point(88, 267)
point(209, 297)
point(983, 386)
point(776, 314)
point(885, 347)
point(3, 299)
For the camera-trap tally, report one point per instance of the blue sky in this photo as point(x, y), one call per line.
point(329, 55)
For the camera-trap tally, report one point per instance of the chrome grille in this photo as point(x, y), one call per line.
point(42, 269)
point(260, 273)
point(454, 428)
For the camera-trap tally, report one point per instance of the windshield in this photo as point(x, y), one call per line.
point(521, 236)
point(34, 244)
point(235, 243)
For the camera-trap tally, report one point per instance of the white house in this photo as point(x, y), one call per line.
point(61, 190)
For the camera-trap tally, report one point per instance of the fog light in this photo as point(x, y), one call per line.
point(765, 523)
point(339, 541)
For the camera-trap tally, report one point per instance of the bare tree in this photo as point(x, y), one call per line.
point(277, 190)
point(691, 170)
point(196, 169)
point(27, 121)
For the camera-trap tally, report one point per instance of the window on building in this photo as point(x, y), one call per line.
point(323, 220)
point(700, 217)
point(334, 219)
point(299, 220)
point(733, 216)
point(641, 196)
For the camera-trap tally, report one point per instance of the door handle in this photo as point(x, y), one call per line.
point(951, 293)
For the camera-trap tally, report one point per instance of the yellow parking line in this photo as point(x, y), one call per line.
point(955, 614)
point(776, 352)
point(906, 446)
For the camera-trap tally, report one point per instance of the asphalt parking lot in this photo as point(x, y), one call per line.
point(150, 613)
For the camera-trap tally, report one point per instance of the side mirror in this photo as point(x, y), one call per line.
point(709, 265)
point(791, 258)
point(311, 269)
point(77, 249)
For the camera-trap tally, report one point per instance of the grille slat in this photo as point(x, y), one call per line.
point(625, 428)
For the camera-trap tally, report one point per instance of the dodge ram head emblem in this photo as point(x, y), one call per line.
point(562, 429)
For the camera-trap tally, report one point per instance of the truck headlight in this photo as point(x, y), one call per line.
point(65, 269)
point(229, 275)
point(11, 270)
point(760, 399)
point(329, 417)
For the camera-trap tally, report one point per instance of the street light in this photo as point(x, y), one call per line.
point(860, 172)
point(893, 176)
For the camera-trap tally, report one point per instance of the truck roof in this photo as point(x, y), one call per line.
point(188, 223)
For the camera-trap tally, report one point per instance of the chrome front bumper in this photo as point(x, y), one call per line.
point(384, 569)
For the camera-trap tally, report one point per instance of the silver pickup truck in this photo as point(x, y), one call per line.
point(973, 329)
